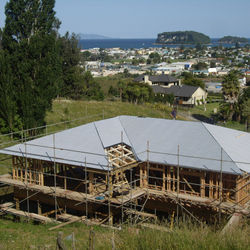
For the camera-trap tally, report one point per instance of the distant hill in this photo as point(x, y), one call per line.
point(92, 36)
point(233, 39)
point(182, 37)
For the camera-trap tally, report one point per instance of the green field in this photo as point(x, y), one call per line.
point(23, 235)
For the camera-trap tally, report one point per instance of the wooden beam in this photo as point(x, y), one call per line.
point(163, 180)
point(91, 185)
point(39, 208)
point(168, 179)
point(211, 183)
point(188, 185)
point(67, 223)
point(202, 187)
point(141, 176)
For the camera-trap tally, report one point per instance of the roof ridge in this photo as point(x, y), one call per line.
point(203, 123)
point(98, 134)
point(132, 146)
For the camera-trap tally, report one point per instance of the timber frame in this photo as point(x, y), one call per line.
point(128, 188)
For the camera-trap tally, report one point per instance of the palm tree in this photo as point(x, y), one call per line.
point(231, 91)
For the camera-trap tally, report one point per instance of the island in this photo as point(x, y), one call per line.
point(182, 37)
point(92, 37)
point(233, 39)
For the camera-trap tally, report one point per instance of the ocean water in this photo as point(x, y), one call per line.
point(135, 43)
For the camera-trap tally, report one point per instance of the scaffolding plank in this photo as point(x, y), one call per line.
point(26, 214)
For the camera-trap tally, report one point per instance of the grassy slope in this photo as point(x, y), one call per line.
point(27, 236)
point(64, 110)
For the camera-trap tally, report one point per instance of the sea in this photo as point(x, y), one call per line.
point(138, 43)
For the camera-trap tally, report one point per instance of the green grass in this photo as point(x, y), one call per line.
point(209, 109)
point(106, 82)
point(88, 111)
point(200, 113)
point(28, 236)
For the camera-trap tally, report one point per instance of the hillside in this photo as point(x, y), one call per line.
point(182, 37)
point(233, 39)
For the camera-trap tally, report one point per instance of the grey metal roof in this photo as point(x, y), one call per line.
point(177, 91)
point(164, 78)
point(200, 144)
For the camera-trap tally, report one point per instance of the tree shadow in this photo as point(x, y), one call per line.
point(203, 118)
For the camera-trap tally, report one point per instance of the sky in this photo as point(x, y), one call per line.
point(147, 18)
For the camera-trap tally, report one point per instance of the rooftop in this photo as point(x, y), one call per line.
point(177, 91)
point(158, 79)
point(201, 145)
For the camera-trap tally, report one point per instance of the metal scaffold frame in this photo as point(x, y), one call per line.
point(176, 188)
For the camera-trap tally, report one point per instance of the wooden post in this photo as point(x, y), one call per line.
point(211, 184)
point(21, 174)
point(60, 244)
point(111, 219)
point(141, 176)
point(217, 186)
point(168, 178)
point(202, 188)
point(65, 178)
point(91, 239)
point(146, 176)
point(39, 207)
point(13, 168)
point(173, 179)
point(238, 186)
point(17, 204)
point(91, 180)
point(163, 179)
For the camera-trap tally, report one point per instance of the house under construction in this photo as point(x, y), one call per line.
point(131, 167)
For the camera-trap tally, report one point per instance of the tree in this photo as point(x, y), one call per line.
point(245, 106)
point(1, 39)
point(30, 38)
point(9, 120)
point(231, 91)
point(121, 87)
point(231, 87)
point(189, 79)
point(86, 56)
point(72, 80)
point(200, 66)
point(155, 57)
point(212, 64)
point(91, 89)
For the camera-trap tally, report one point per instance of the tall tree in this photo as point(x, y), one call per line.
point(1, 39)
point(9, 120)
point(231, 91)
point(190, 79)
point(72, 82)
point(30, 37)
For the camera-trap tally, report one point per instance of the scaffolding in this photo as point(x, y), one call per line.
point(127, 191)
